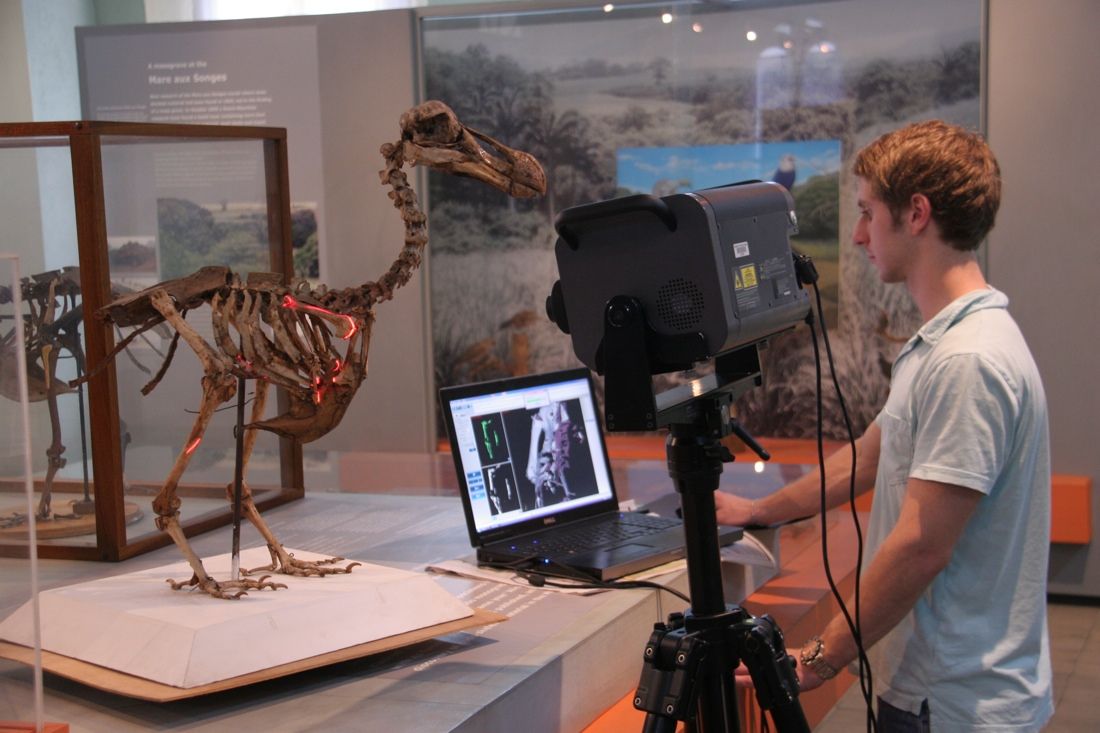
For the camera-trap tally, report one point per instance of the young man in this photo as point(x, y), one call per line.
point(953, 594)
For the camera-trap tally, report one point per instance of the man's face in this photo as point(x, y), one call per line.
point(884, 241)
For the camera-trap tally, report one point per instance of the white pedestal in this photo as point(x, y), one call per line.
point(138, 625)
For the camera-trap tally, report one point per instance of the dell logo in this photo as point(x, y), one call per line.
point(549, 520)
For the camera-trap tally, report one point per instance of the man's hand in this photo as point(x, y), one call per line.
point(732, 509)
point(807, 680)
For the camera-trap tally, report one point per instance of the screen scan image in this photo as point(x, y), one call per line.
point(529, 452)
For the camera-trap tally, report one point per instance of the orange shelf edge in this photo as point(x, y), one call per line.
point(19, 726)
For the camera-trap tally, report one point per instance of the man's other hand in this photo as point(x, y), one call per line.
point(807, 680)
point(733, 510)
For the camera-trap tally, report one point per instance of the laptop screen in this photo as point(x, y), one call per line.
point(527, 447)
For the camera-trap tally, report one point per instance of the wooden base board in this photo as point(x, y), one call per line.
point(58, 527)
point(120, 683)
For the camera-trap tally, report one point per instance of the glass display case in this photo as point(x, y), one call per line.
point(95, 210)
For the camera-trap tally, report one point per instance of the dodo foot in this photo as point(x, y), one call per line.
point(287, 564)
point(228, 589)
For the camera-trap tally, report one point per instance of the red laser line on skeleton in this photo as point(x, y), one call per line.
point(293, 304)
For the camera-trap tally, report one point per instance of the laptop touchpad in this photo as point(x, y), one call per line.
point(633, 547)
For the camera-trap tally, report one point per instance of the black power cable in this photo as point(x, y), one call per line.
point(542, 575)
point(808, 275)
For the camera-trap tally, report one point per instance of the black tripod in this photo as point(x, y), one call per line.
point(690, 661)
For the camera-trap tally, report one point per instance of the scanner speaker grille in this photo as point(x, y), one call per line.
point(680, 304)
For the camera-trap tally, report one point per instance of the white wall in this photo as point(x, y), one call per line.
point(1044, 101)
point(15, 93)
point(51, 56)
point(18, 169)
point(368, 81)
point(55, 95)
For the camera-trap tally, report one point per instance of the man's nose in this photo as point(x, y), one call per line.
point(859, 235)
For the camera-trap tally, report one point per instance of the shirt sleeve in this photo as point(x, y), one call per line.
point(965, 416)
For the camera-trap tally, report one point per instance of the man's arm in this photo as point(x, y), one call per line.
point(933, 516)
point(802, 497)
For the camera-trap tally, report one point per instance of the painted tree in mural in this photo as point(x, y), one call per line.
point(568, 148)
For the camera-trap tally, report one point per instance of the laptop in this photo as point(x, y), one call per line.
point(536, 483)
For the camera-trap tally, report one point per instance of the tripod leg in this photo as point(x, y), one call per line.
point(658, 724)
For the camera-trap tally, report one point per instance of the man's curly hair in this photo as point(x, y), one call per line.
point(950, 165)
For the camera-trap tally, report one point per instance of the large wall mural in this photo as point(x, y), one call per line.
point(625, 101)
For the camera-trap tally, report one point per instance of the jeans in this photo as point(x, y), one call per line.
point(893, 720)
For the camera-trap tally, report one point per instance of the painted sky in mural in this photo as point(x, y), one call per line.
point(664, 170)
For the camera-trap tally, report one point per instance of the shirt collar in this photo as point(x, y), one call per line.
point(955, 311)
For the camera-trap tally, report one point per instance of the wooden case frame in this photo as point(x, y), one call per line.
point(85, 140)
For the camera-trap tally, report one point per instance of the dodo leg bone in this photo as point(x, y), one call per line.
point(218, 386)
point(281, 560)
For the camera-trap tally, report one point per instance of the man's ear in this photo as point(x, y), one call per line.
point(919, 214)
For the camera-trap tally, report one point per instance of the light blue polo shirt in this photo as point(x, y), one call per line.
point(967, 407)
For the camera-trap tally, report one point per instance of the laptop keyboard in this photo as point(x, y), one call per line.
point(629, 526)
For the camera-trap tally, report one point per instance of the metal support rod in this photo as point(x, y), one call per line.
point(238, 479)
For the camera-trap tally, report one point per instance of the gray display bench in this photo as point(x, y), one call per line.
point(555, 665)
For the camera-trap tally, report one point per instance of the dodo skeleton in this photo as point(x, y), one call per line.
point(312, 342)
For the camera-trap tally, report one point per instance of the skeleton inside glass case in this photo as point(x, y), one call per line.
point(51, 321)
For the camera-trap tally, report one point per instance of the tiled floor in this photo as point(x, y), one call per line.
point(1075, 651)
